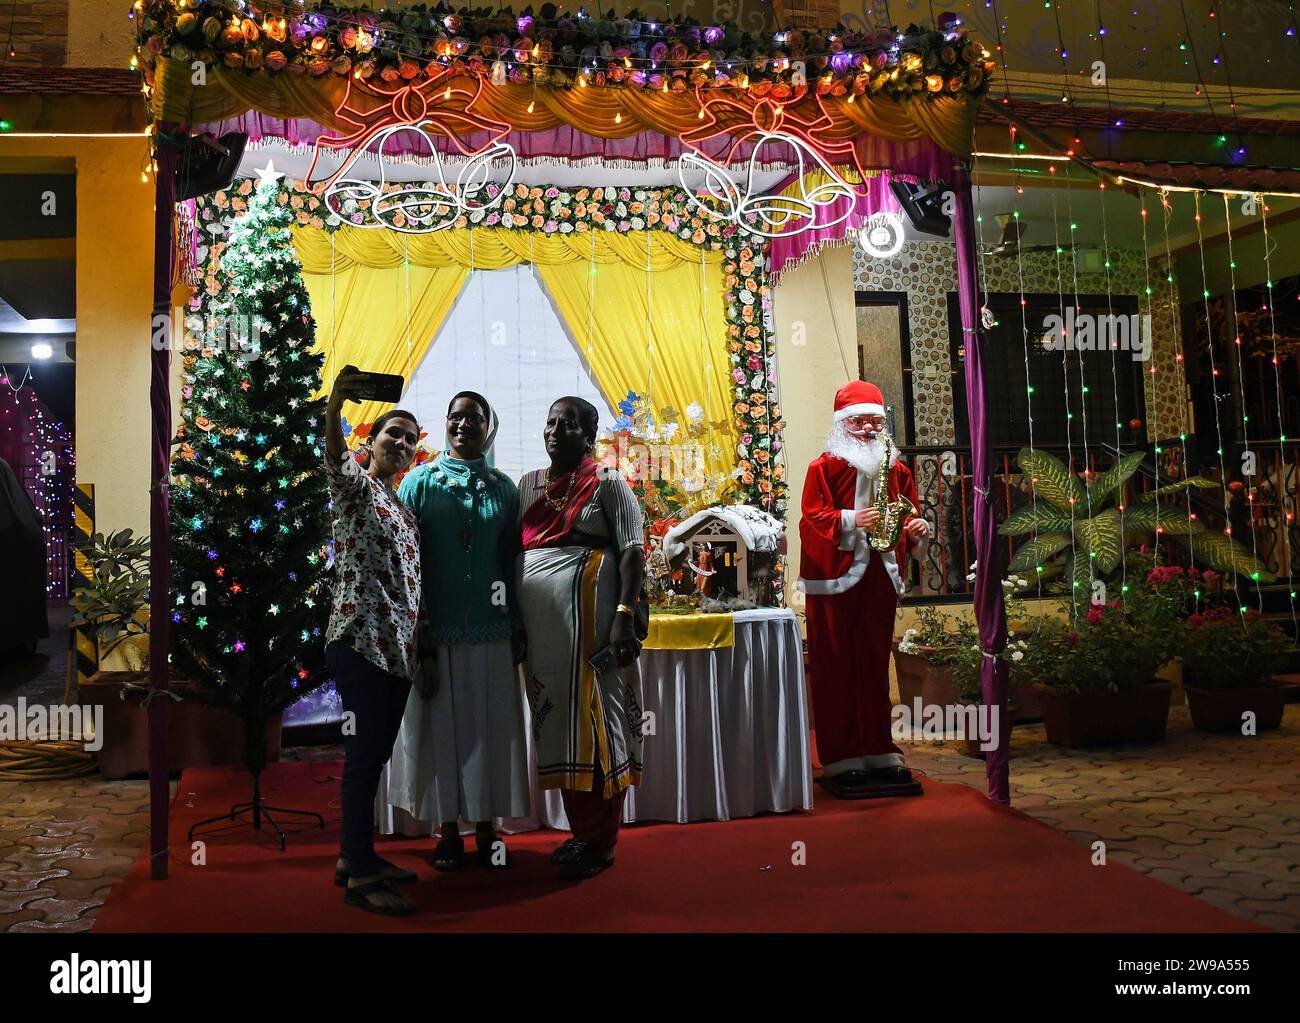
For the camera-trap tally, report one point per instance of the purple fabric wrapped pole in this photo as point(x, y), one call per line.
point(160, 407)
point(990, 613)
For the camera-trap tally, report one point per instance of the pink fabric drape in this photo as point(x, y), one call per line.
point(919, 160)
point(788, 252)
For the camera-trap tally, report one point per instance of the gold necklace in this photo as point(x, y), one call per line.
point(558, 505)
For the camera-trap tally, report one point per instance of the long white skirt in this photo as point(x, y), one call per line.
point(462, 755)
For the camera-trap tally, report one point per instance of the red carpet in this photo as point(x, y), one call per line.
point(948, 861)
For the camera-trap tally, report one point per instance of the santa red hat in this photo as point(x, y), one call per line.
point(859, 398)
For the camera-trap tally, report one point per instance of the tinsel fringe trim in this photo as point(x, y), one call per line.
point(649, 163)
point(807, 256)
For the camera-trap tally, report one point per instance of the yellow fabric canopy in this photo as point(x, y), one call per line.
point(492, 248)
point(644, 309)
point(607, 113)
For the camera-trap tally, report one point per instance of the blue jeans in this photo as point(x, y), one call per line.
point(376, 702)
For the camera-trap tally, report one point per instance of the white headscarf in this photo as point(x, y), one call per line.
point(493, 423)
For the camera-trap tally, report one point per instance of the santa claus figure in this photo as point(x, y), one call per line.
point(852, 595)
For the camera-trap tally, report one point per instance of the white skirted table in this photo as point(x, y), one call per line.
point(729, 731)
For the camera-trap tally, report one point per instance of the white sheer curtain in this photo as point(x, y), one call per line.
point(504, 340)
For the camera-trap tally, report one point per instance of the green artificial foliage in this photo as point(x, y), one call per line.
point(250, 504)
point(117, 592)
point(1081, 532)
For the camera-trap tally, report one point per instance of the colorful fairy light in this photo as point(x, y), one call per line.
point(46, 466)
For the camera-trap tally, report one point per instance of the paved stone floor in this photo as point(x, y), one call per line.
point(1216, 816)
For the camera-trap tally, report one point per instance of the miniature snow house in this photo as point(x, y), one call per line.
point(743, 543)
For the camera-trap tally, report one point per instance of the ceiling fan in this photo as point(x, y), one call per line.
point(1013, 230)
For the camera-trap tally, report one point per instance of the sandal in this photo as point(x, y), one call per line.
point(388, 871)
point(586, 863)
point(562, 854)
point(360, 895)
point(485, 851)
point(449, 854)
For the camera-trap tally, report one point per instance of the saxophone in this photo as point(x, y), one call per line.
point(889, 524)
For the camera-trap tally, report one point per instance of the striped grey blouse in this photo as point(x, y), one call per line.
point(611, 514)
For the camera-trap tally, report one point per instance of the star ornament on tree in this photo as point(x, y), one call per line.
point(268, 177)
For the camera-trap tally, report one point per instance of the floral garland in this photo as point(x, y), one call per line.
point(673, 55)
point(551, 210)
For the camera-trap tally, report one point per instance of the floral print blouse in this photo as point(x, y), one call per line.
point(376, 600)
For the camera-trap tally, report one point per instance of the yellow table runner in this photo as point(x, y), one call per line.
point(691, 632)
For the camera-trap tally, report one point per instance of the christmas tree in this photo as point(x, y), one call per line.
point(250, 505)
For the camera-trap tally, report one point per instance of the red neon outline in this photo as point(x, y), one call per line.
point(781, 119)
point(401, 108)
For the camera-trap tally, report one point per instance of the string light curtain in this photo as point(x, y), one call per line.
point(39, 449)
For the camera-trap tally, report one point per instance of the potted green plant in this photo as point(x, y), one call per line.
point(112, 605)
point(922, 656)
point(966, 663)
point(1230, 657)
point(1082, 526)
point(116, 605)
point(1095, 678)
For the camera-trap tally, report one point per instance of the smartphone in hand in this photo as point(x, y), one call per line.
point(386, 387)
point(603, 660)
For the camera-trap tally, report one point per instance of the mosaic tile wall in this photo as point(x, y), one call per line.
point(927, 271)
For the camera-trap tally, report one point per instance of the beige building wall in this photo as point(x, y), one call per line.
point(99, 33)
point(816, 352)
point(114, 281)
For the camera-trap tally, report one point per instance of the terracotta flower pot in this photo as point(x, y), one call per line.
point(1221, 710)
point(1024, 698)
point(197, 735)
point(1102, 718)
point(919, 676)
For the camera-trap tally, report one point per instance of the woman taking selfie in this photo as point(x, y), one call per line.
point(371, 643)
point(582, 567)
point(461, 753)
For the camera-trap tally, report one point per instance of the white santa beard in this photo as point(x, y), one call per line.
point(864, 455)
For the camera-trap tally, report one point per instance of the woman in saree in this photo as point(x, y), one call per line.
point(461, 754)
point(582, 567)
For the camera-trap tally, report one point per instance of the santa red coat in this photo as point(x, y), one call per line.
point(851, 597)
point(834, 554)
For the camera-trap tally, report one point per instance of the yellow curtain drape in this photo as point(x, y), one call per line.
point(362, 318)
point(602, 112)
point(490, 248)
point(657, 324)
point(661, 333)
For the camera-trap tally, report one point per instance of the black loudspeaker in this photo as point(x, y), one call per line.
point(923, 205)
point(208, 164)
